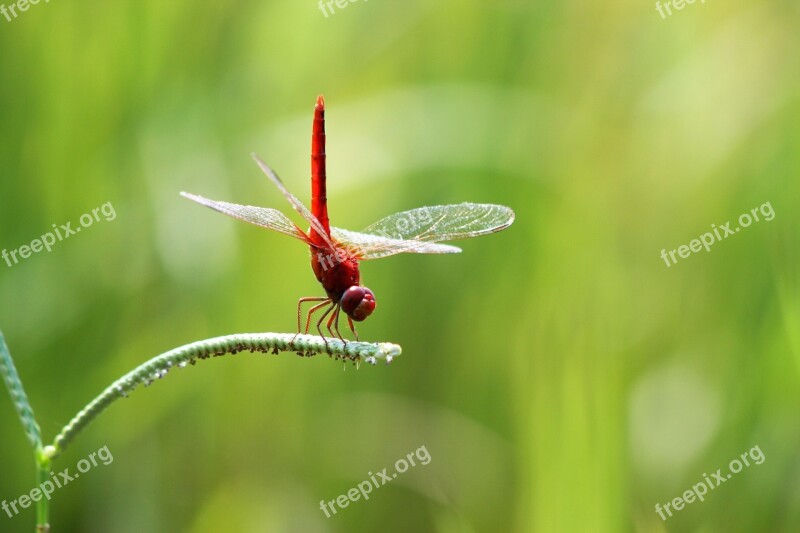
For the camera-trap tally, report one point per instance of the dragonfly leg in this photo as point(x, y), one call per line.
point(299, 305)
point(313, 310)
point(352, 327)
point(325, 301)
point(335, 320)
point(319, 322)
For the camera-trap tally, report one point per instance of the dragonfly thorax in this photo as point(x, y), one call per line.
point(340, 277)
point(335, 271)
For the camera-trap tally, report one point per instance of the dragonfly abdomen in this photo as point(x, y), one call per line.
point(319, 197)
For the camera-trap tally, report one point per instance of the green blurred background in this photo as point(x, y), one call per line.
point(561, 377)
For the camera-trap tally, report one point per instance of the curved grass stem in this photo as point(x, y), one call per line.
point(157, 367)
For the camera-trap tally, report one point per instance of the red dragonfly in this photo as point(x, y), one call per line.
point(336, 253)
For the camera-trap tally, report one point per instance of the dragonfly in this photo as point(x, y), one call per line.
point(336, 253)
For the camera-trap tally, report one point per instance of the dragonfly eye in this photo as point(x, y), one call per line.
point(358, 302)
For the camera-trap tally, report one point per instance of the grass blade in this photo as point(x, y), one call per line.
point(18, 396)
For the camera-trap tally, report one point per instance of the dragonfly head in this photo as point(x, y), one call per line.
point(358, 302)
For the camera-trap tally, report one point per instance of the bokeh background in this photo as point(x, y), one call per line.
point(560, 375)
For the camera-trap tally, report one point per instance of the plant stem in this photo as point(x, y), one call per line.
point(157, 367)
point(43, 505)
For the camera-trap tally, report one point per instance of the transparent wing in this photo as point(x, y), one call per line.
point(296, 203)
point(417, 230)
point(260, 216)
point(368, 246)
